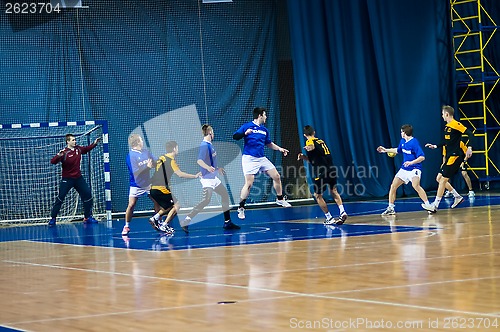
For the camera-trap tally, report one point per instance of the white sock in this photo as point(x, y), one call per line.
point(328, 215)
point(455, 193)
point(127, 224)
point(341, 208)
point(157, 216)
point(437, 200)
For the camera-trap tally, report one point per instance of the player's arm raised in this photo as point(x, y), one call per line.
point(382, 149)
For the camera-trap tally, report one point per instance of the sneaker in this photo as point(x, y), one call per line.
point(241, 213)
point(154, 223)
point(429, 207)
point(90, 220)
point(342, 218)
point(125, 230)
point(472, 194)
point(229, 225)
point(388, 212)
point(457, 201)
point(166, 229)
point(52, 222)
point(329, 221)
point(283, 203)
point(432, 212)
point(448, 194)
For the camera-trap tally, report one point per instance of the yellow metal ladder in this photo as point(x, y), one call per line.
point(474, 30)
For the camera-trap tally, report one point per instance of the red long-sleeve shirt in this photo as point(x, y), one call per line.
point(71, 160)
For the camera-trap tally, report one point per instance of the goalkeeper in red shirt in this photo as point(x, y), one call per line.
point(70, 158)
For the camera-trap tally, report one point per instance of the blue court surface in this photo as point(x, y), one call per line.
point(262, 225)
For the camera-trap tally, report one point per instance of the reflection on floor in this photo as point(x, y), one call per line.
point(266, 225)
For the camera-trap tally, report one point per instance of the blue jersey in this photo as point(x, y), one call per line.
point(255, 141)
point(138, 170)
point(207, 149)
point(411, 150)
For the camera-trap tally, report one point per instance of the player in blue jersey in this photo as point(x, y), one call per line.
point(253, 161)
point(139, 163)
point(411, 169)
point(207, 159)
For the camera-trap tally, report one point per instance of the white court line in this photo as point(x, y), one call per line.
point(259, 230)
point(289, 293)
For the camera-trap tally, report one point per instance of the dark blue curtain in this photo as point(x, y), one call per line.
point(362, 69)
point(130, 62)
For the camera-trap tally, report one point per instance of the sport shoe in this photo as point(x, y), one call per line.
point(329, 221)
point(52, 222)
point(342, 218)
point(472, 194)
point(90, 220)
point(229, 225)
point(457, 201)
point(125, 230)
point(241, 213)
point(166, 229)
point(283, 203)
point(448, 194)
point(388, 212)
point(429, 207)
point(154, 223)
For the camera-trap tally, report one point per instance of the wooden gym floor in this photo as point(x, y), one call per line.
point(283, 271)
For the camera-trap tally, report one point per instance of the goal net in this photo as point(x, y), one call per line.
point(29, 183)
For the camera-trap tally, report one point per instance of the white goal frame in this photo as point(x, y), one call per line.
point(104, 159)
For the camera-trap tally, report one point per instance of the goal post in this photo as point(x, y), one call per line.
point(29, 183)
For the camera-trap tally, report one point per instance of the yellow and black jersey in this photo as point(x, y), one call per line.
point(165, 167)
point(453, 132)
point(463, 148)
point(320, 158)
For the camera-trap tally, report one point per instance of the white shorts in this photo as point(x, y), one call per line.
point(210, 183)
point(406, 176)
point(138, 192)
point(254, 165)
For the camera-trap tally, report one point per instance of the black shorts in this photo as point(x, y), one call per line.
point(166, 201)
point(451, 166)
point(320, 184)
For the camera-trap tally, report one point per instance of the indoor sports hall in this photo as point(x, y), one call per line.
point(210, 95)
